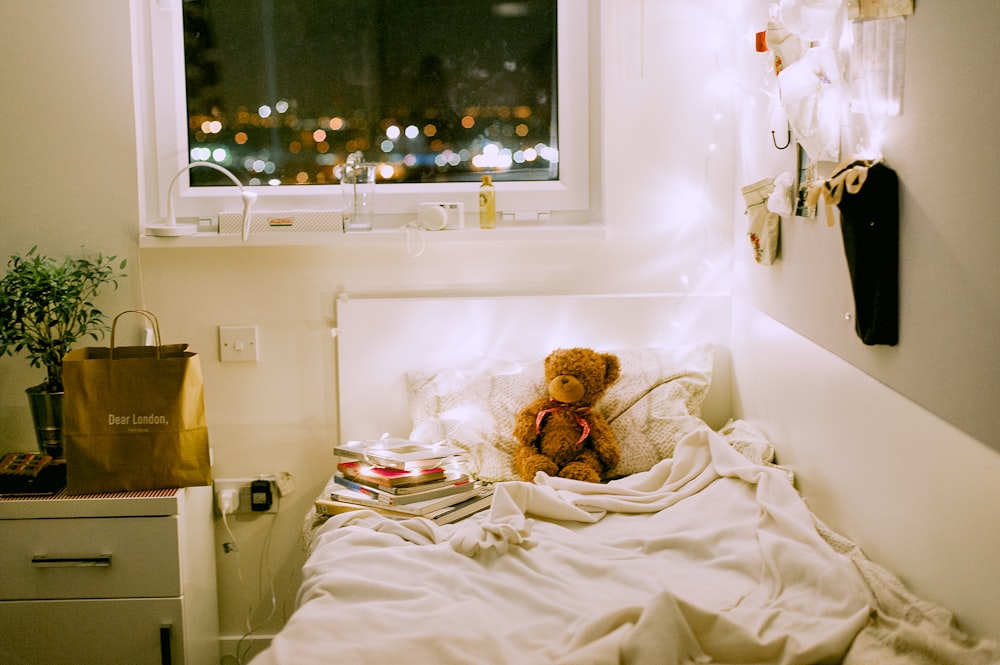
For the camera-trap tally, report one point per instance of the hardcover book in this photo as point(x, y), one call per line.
point(436, 491)
point(470, 506)
point(407, 489)
point(387, 477)
point(453, 513)
point(335, 507)
point(419, 508)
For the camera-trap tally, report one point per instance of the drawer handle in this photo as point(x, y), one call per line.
point(98, 561)
point(166, 658)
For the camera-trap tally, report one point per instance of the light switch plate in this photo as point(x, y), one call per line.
point(238, 344)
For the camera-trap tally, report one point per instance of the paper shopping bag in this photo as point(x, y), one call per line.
point(134, 417)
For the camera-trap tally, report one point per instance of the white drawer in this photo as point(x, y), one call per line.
point(105, 557)
point(147, 631)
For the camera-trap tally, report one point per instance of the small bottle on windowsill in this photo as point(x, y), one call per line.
point(487, 204)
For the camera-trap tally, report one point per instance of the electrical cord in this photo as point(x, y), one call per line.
point(410, 229)
point(243, 647)
point(239, 571)
point(263, 573)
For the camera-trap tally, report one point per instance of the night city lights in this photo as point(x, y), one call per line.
point(282, 93)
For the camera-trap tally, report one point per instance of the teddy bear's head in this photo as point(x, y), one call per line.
point(580, 375)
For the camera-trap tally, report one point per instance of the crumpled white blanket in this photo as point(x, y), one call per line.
point(706, 558)
point(686, 473)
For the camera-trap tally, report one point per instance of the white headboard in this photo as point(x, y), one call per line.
point(379, 339)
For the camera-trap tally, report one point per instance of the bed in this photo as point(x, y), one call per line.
point(701, 550)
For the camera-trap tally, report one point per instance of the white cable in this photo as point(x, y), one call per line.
point(239, 573)
point(137, 262)
point(264, 572)
point(408, 229)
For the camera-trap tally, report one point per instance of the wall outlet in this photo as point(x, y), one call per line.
point(256, 495)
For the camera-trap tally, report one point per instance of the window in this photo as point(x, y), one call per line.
point(281, 92)
point(435, 95)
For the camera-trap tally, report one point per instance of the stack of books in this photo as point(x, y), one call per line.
point(401, 478)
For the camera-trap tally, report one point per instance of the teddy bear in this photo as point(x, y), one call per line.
point(561, 433)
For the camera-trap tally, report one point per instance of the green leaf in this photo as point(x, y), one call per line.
point(46, 306)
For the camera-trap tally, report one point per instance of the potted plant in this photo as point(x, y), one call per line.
point(46, 306)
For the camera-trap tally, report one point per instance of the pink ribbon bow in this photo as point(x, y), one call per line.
point(578, 412)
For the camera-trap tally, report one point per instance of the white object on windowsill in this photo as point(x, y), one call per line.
point(169, 227)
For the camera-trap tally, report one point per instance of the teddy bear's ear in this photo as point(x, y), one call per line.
point(612, 368)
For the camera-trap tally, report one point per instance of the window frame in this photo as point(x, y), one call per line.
point(161, 120)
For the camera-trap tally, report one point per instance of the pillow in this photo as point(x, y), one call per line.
point(655, 402)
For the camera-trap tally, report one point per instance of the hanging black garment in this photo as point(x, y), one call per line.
point(869, 222)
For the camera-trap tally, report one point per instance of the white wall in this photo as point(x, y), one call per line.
point(947, 359)
point(917, 491)
point(918, 495)
point(68, 181)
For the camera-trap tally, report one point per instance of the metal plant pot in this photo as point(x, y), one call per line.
point(47, 414)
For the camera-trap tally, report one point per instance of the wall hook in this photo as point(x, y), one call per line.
point(788, 142)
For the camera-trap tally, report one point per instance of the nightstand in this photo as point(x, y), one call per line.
point(124, 577)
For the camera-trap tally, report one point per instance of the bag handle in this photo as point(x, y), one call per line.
point(149, 317)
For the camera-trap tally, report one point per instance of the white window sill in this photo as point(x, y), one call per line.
point(512, 233)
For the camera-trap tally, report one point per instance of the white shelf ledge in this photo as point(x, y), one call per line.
point(512, 233)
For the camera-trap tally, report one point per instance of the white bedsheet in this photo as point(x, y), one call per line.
point(708, 557)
